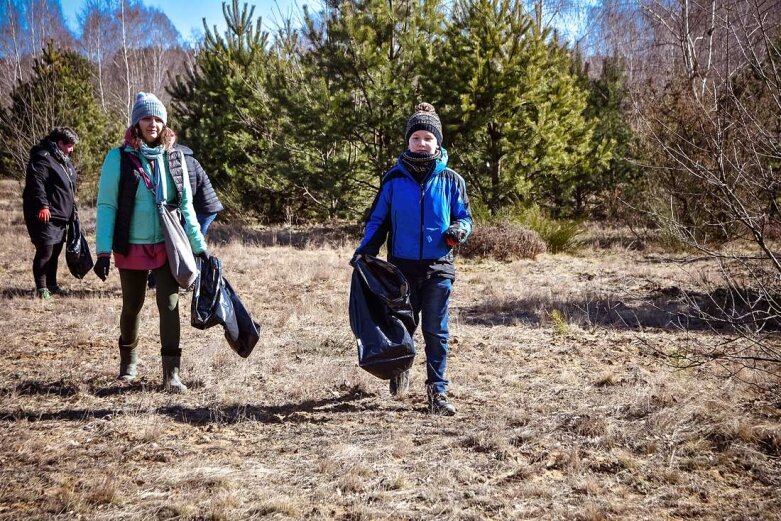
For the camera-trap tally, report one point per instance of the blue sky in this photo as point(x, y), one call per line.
point(186, 15)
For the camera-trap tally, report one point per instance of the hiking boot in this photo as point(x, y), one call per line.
point(438, 402)
point(44, 294)
point(128, 360)
point(58, 290)
point(399, 385)
point(171, 382)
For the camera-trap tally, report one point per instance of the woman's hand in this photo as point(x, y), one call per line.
point(102, 267)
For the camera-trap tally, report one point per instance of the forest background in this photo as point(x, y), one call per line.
point(660, 115)
point(633, 376)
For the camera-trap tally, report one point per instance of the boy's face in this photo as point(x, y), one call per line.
point(422, 142)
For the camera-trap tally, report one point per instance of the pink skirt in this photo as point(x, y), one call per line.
point(142, 257)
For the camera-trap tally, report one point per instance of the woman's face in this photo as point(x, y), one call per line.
point(66, 148)
point(151, 127)
point(422, 142)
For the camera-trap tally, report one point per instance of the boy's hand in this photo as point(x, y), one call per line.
point(454, 235)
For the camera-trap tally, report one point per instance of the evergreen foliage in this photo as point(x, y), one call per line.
point(59, 93)
point(301, 126)
point(222, 110)
point(513, 110)
point(373, 52)
point(362, 64)
point(312, 153)
point(608, 174)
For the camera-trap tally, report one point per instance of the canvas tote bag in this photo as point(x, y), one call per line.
point(177, 246)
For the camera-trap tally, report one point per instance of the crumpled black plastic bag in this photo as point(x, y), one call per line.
point(77, 253)
point(381, 317)
point(215, 302)
point(205, 310)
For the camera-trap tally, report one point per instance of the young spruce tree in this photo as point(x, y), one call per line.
point(222, 111)
point(512, 109)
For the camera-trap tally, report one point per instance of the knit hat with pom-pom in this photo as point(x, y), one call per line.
point(424, 118)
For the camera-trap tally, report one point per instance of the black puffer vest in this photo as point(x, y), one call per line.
point(128, 185)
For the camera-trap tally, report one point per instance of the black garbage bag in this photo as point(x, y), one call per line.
point(207, 309)
point(381, 318)
point(242, 336)
point(215, 302)
point(77, 254)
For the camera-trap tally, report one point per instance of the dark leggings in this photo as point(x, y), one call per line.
point(45, 264)
point(167, 297)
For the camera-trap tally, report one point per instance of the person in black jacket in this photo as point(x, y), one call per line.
point(49, 204)
point(205, 200)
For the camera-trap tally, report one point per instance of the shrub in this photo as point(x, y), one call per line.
point(502, 240)
point(558, 235)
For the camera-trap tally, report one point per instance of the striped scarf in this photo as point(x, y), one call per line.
point(419, 165)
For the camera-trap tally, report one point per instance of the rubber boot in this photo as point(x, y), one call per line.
point(171, 382)
point(128, 360)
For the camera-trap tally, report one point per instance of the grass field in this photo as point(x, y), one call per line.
point(566, 407)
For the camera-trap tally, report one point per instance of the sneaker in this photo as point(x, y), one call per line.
point(44, 294)
point(438, 403)
point(399, 385)
point(58, 290)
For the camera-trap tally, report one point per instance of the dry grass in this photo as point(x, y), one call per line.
point(571, 417)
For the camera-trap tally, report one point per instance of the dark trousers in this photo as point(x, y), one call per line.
point(45, 264)
point(167, 297)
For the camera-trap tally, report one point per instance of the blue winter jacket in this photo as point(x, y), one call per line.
point(414, 217)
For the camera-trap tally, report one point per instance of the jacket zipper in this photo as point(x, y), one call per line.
point(422, 224)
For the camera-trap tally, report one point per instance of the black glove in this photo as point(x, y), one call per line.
point(355, 258)
point(454, 235)
point(102, 267)
point(204, 256)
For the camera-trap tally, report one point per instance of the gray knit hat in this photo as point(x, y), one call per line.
point(424, 118)
point(147, 104)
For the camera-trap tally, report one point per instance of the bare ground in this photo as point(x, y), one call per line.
point(566, 410)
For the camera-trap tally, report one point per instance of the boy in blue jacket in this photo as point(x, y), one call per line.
point(423, 211)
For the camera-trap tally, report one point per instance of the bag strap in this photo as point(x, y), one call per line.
point(140, 169)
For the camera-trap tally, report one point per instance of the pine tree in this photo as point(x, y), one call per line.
point(609, 173)
point(312, 152)
point(222, 111)
point(345, 86)
point(370, 55)
point(59, 93)
point(512, 109)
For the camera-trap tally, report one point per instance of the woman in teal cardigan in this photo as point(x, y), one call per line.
point(146, 170)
